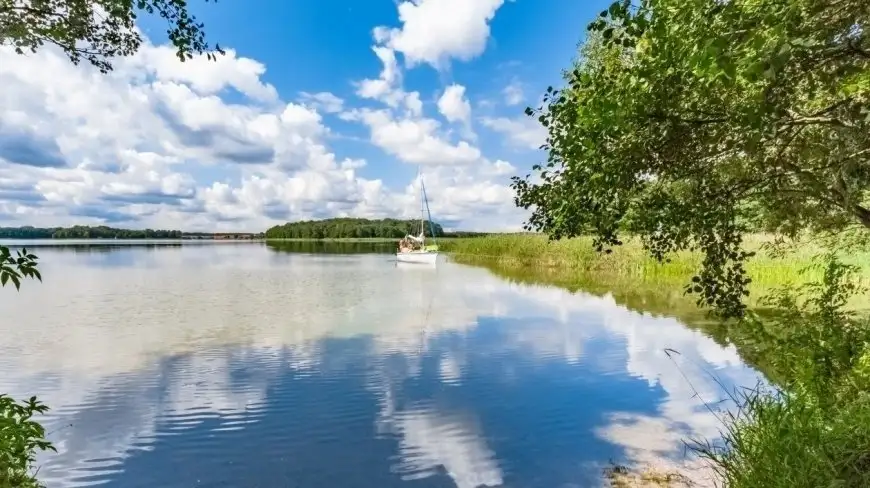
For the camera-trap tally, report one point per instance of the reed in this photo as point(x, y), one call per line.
point(632, 261)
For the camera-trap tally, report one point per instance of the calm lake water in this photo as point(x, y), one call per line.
point(247, 365)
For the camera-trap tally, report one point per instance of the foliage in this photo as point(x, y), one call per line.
point(817, 340)
point(98, 30)
point(15, 267)
point(20, 438)
point(344, 228)
point(103, 232)
point(86, 232)
point(816, 431)
point(690, 123)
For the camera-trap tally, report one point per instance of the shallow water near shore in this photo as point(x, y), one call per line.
point(255, 364)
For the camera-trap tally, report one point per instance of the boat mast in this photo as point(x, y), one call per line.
point(428, 212)
point(422, 210)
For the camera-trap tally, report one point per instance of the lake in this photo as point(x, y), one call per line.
point(314, 365)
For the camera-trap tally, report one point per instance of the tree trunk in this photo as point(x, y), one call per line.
point(863, 215)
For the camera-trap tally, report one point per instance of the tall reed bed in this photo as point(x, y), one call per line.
point(633, 261)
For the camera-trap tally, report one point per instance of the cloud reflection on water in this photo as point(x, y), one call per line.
point(131, 354)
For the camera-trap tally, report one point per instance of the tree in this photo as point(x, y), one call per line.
point(343, 228)
point(98, 30)
point(690, 123)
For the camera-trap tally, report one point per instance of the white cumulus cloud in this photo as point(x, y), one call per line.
point(524, 132)
point(204, 145)
point(453, 105)
point(324, 101)
point(415, 140)
point(434, 31)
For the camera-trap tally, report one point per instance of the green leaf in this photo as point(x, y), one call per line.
point(614, 9)
point(708, 103)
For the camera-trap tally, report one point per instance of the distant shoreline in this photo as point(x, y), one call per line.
point(161, 238)
point(328, 230)
point(147, 241)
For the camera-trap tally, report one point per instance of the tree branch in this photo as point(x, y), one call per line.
point(40, 12)
point(693, 121)
point(798, 119)
point(863, 215)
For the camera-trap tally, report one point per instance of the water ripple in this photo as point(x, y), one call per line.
point(235, 366)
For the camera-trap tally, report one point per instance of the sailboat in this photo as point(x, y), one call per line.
point(418, 252)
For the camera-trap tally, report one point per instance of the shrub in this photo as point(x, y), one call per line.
point(20, 439)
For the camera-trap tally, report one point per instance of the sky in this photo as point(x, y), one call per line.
point(317, 110)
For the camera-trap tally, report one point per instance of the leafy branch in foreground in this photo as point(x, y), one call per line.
point(98, 30)
point(692, 123)
point(15, 267)
point(20, 438)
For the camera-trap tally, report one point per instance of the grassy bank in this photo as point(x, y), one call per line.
point(630, 262)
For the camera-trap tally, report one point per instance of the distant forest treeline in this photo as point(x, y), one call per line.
point(346, 228)
point(104, 232)
point(342, 228)
point(86, 232)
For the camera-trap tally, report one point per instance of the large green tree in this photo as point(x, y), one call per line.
point(98, 30)
point(690, 122)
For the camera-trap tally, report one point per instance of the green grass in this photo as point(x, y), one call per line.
point(789, 441)
point(631, 262)
point(815, 431)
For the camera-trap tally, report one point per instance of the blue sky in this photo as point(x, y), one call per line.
point(206, 147)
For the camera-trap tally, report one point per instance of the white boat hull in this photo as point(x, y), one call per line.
point(417, 257)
